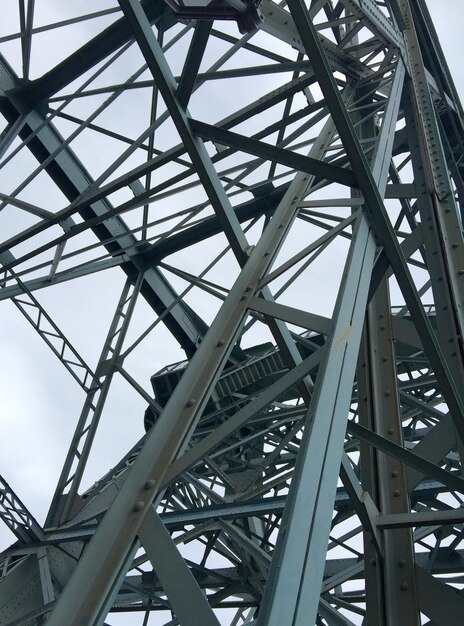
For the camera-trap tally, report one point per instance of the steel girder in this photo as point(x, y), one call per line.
point(285, 206)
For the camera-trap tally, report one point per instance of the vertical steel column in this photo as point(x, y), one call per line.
point(291, 594)
point(389, 475)
point(439, 213)
point(293, 589)
point(374, 575)
point(376, 213)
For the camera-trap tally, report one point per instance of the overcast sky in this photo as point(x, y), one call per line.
point(26, 389)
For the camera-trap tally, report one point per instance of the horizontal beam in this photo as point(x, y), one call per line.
point(266, 151)
point(423, 518)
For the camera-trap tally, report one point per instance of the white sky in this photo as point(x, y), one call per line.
point(29, 392)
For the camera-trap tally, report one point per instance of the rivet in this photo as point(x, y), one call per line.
point(149, 484)
point(388, 393)
point(190, 402)
point(373, 562)
point(138, 506)
point(404, 586)
point(394, 474)
point(402, 563)
point(397, 493)
point(390, 431)
point(220, 343)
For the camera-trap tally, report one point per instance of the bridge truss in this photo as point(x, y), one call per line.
point(263, 203)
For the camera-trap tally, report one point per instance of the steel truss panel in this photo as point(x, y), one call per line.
point(276, 210)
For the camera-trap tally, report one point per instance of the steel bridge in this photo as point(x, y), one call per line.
point(236, 228)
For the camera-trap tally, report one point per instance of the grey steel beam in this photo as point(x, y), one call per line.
point(53, 336)
point(167, 85)
point(16, 516)
point(435, 445)
point(280, 24)
point(314, 487)
point(171, 431)
point(192, 62)
point(64, 498)
point(309, 510)
point(443, 231)
point(368, 12)
point(389, 475)
point(246, 445)
point(208, 227)
point(428, 468)
point(423, 518)
point(72, 178)
point(187, 600)
point(293, 160)
point(376, 213)
point(87, 57)
point(295, 375)
point(175, 521)
point(441, 603)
